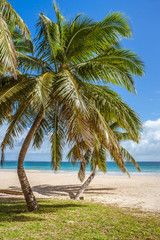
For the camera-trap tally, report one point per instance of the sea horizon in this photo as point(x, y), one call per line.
point(147, 168)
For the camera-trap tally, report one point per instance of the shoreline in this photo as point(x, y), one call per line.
point(110, 173)
point(140, 192)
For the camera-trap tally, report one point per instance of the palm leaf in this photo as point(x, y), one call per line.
point(129, 158)
point(28, 63)
point(8, 56)
point(17, 124)
point(56, 139)
point(11, 16)
point(114, 66)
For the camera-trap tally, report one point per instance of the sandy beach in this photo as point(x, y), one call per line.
point(142, 192)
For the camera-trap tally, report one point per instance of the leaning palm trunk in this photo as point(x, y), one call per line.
point(86, 184)
point(27, 191)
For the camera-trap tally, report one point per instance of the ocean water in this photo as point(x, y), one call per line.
point(147, 168)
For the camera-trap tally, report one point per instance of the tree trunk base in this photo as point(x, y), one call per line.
point(86, 184)
point(32, 204)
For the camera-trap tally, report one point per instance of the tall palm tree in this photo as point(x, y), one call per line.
point(80, 52)
point(70, 55)
point(8, 55)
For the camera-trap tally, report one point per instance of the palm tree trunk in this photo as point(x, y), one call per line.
point(86, 184)
point(27, 191)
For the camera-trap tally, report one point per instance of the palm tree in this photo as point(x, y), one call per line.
point(98, 158)
point(70, 55)
point(8, 55)
point(124, 123)
point(80, 52)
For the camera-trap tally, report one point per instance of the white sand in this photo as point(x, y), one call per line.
point(141, 192)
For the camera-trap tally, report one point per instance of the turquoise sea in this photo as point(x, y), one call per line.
point(147, 168)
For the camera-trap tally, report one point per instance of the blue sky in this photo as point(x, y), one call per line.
point(144, 18)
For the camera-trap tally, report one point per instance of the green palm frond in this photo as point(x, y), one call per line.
point(74, 110)
point(21, 44)
point(10, 87)
point(123, 136)
point(31, 64)
point(113, 108)
point(8, 56)
point(74, 154)
point(40, 134)
point(129, 158)
point(97, 35)
point(60, 21)
point(49, 35)
point(99, 158)
point(17, 124)
point(10, 20)
point(56, 139)
point(114, 66)
point(11, 16)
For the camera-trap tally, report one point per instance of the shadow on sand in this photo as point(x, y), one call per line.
point(67, 190)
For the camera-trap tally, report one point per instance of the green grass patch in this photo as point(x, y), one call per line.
point(59, 219)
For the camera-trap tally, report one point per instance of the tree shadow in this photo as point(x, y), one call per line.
point(15, 210)
point(71, 190)
point(66, 190)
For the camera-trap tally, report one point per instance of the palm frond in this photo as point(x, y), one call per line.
point(129, 158)
point(28, 63)
point(74, 110)
point(99, 157)
point(123, 136)
point(97, 35)
point(49, 35)
point(12, 89)
point(8, 56)
point(18, 122)
point(74, 155)
point(40, 134)
point(21, 44)
point(115, 66)
point(60, 21)
point(11, 16)
point(56, 139)
point(114, 109)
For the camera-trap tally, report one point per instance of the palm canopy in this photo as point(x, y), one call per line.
point(86, 48)
point(121, 120)
point(8, 55)
point(97, 156)
point(72, 57)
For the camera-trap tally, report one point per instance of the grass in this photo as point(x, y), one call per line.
point(59, 219)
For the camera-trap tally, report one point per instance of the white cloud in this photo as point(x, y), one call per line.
point(149, 147)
